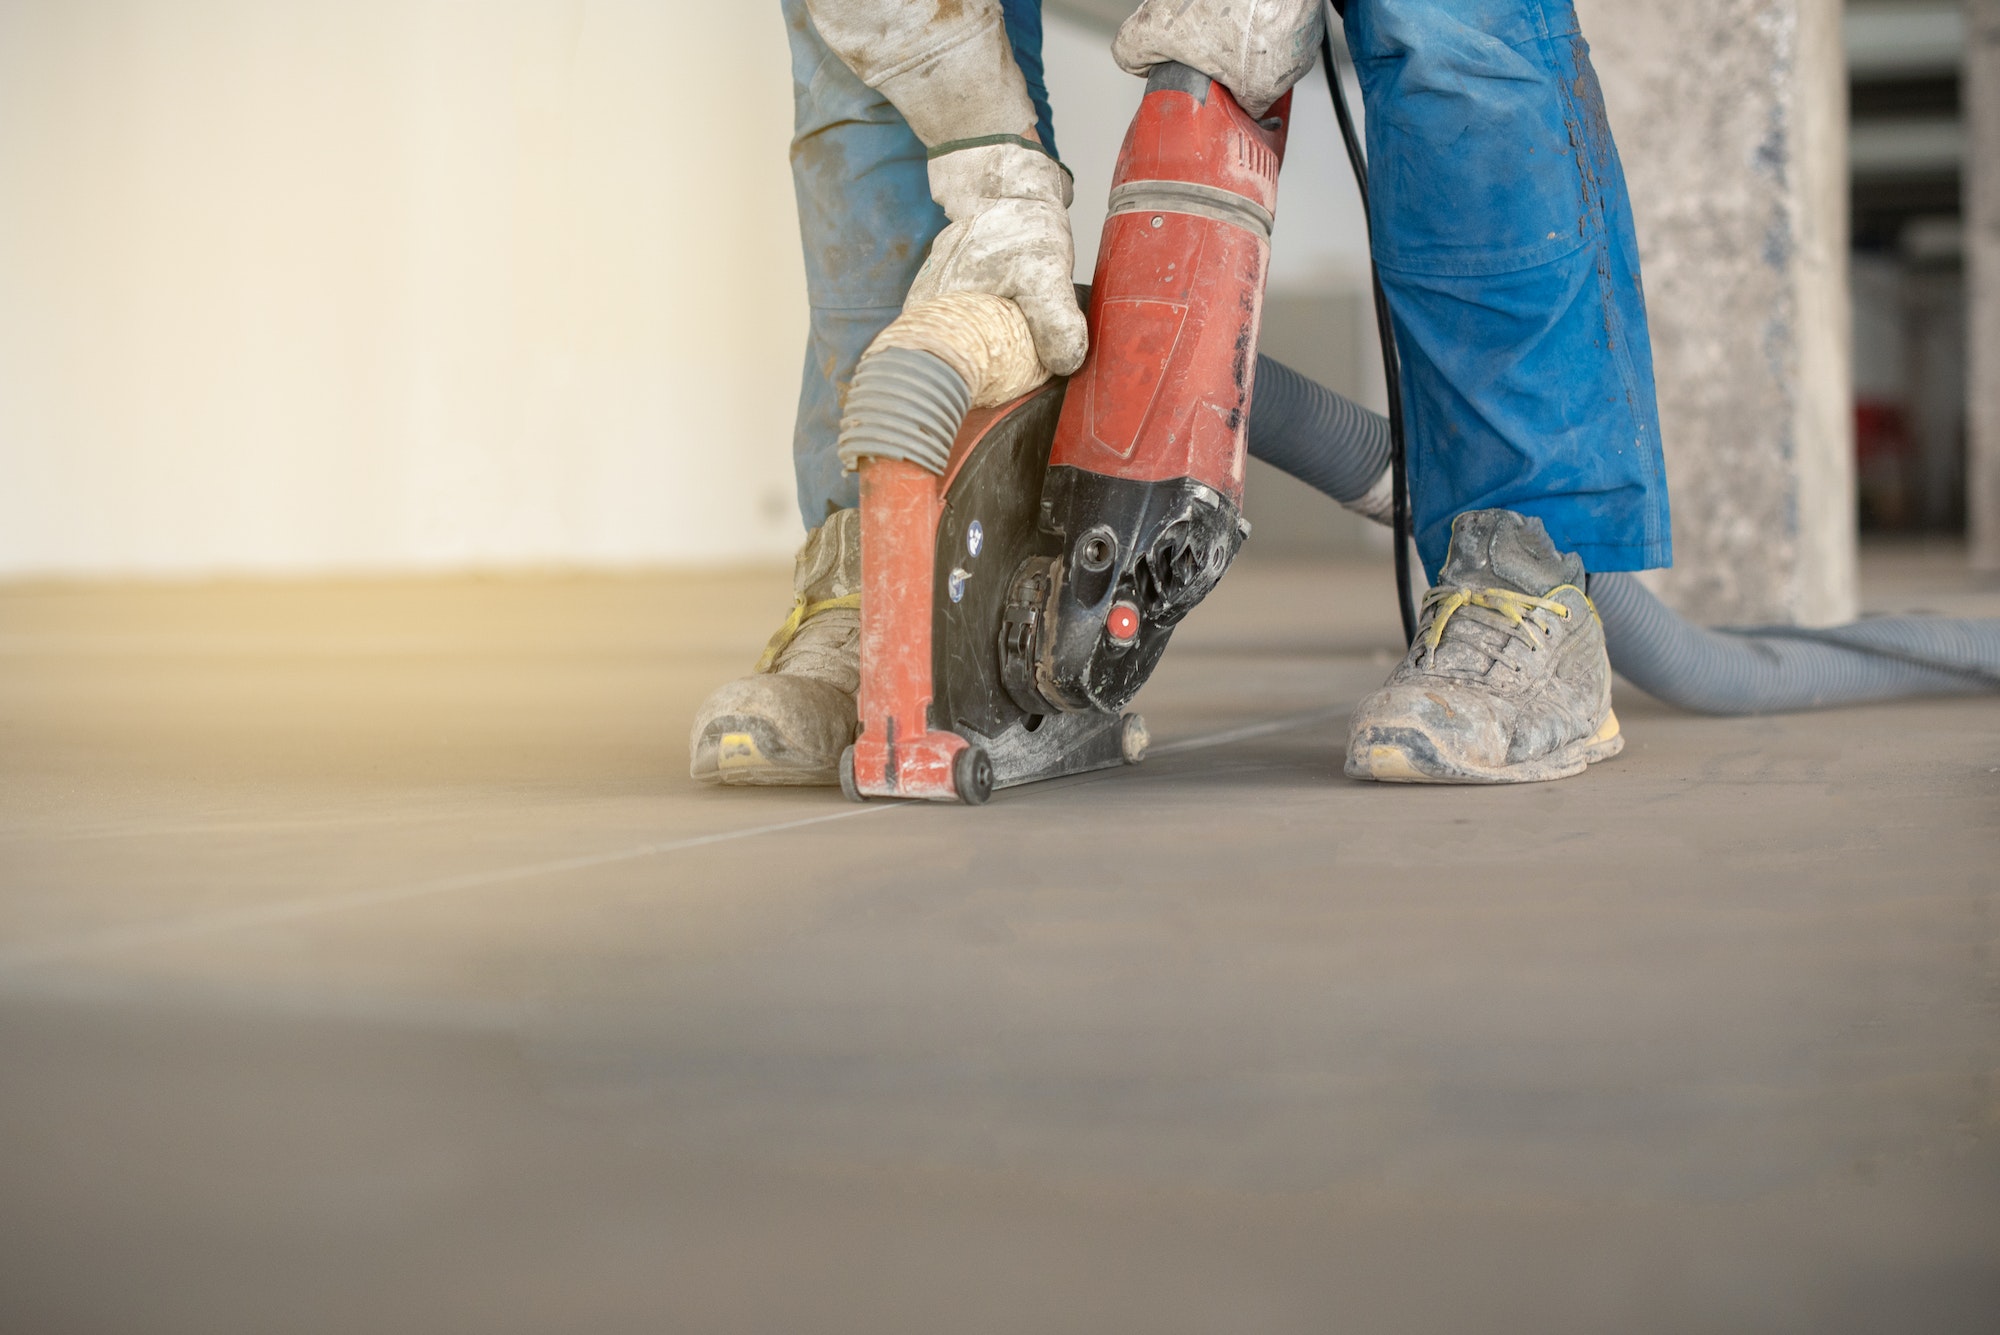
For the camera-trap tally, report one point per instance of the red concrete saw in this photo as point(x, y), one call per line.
point(1015, 602)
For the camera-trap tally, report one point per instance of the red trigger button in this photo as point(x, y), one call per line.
point(1123, 623)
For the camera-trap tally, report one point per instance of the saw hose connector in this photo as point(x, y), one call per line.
point(921, 375)
point(903, 404)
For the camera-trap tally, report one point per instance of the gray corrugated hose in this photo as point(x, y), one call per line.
point(1778, 668)
point(1341, 448)
point(1325, 440)
point(918, 377)
point(902, 404)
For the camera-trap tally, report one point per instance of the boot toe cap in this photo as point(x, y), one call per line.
point(771, 729)
point(1414, 733)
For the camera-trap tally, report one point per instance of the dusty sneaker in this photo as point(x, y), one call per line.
point(1507, 682)
point(788, 722)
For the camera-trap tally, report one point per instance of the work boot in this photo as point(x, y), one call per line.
point(788, 722)
point(1507, 681)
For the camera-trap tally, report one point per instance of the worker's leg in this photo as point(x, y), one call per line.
point(1505, 241)
point(866, 220)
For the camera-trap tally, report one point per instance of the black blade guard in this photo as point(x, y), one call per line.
point(990, 530)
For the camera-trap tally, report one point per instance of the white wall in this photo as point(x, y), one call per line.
point(290, 286)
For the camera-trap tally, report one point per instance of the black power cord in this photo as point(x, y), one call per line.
point(1385, 328)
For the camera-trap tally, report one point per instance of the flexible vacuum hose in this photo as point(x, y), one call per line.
point(1335, 445)
point(1324, 439)
point(906, 402)
point(903, 403)
point(918, 377)
point(1779, 668)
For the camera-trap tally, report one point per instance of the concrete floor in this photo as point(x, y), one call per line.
point(367, 964)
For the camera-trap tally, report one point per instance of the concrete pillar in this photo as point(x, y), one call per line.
point(1982, 259)
point(1731, 118)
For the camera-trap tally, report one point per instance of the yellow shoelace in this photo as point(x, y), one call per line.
point(1514, 606)
point(802, 612)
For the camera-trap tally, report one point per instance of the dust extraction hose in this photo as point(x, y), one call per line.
point(907, 401)
point(1335, 445)
point(918, 377)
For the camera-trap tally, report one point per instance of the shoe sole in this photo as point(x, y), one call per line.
point(1405, 755)
point(741, 751)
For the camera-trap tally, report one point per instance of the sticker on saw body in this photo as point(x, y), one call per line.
point(975, 538)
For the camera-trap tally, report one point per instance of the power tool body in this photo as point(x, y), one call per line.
point(1014, 605)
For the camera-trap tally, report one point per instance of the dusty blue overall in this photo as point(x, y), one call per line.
point(1500, 224)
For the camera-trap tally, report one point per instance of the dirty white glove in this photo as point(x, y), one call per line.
point(1009, 237)
point(949, 70)
point(1257, 49)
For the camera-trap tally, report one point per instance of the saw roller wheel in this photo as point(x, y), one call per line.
point(972, 776)
point(848, 786)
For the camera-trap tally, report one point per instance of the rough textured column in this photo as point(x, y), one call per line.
point(1982, 258)
point(1731, 119)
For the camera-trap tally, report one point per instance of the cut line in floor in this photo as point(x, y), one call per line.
point(29, 955)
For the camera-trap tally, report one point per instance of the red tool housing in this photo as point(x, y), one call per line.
point(1145, 480)
point(1011, 608)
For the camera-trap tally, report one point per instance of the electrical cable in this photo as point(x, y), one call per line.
point(1385, 328)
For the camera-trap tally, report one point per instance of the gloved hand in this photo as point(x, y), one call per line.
point(1257, 49)
point(1009, 237)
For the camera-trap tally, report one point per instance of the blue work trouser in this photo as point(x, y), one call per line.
point(1500, 222)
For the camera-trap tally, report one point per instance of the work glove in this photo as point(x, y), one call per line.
point(949, 70)
point(1257, 49)
point(1009, 237)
